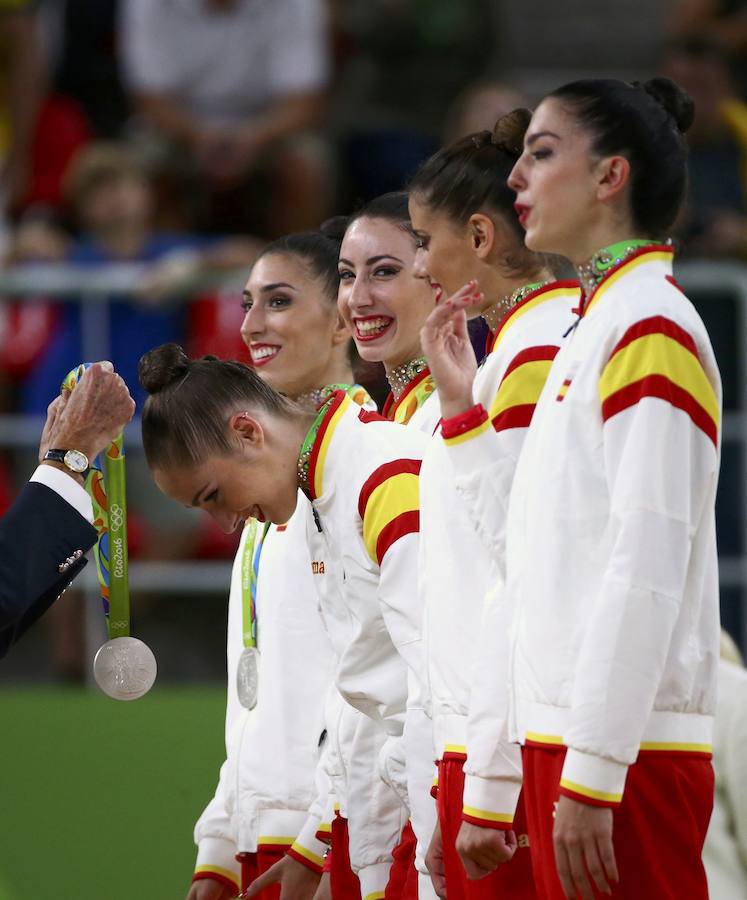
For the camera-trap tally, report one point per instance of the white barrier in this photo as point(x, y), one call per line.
point(93, 287)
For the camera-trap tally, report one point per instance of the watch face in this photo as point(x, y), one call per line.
point(76, 461)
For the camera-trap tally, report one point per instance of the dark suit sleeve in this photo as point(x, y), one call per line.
point(38, 533)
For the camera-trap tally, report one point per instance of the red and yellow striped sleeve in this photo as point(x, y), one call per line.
point(657, 358)
point(275, 842)
point(389, 506)
point(306, 857)
point(514, 402)
point(224, 876)
point(520, 387)
point(294, 849)
point(324, 832)
point(589, 796)
point(465, 426)
point(485, 819)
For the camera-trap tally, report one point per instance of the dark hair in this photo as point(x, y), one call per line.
point(645, 123)
point(185, 417)
point(320, 250)
point(473, 173)
point(391, 207)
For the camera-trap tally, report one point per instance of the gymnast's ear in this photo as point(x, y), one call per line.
point(247, 430)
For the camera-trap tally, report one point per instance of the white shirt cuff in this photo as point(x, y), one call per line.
point(67, 487)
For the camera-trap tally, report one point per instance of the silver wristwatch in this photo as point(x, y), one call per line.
point(75, 460)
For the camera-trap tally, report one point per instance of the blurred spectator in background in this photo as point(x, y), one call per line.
point(81, 37)
point(715, 223)
point(21, 91)
point(403, 62)
point(725, 850)
point(239, 86)
point(479, 107)
point(110, 200)
point(724, 22)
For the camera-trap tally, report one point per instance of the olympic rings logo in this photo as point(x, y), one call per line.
point(119, 625)
point(116, 517)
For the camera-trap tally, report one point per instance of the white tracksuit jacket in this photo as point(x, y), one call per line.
point(611, 590)
point(415, 757)
point(456, 567)
point(267, 781)
point(363, 481)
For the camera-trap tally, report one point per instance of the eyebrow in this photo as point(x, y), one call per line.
point(269, 287)
point(194, 499)
point(374, 259)
point(277, 284)
point(535, 137)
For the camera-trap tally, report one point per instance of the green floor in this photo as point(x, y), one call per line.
point(98, 798)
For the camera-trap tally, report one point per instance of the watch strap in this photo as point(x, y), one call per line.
point(58, 455)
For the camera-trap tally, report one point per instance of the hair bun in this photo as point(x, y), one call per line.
point(335, 228)
point(675, 100)
point(160, 367)
point(509, 131)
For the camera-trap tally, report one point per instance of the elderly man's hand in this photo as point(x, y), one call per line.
point(53, 414)
point(93, 415)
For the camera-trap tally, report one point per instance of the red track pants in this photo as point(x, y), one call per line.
point(343, 880)
point(513, 881)
point(403, 876)
point(659, 828)
point(255, 864)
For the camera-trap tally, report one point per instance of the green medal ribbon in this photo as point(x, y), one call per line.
point(105, 484)
point(249, 574)
point(252, 548)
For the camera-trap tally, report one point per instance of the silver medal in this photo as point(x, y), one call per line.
point(125, 668)
point(247, 677)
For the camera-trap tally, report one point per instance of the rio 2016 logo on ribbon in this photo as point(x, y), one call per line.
point(116, 517)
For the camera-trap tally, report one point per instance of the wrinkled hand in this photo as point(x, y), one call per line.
point(53, 414)
point(434, 861)
point(96, 412)
point(297, 882)
point(210, 889)
point(446, 344)
point(324, 891)
point(482, 850)
point(582, 835)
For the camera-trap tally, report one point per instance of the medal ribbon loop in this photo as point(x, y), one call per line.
point(105, 484)
point(249, 572)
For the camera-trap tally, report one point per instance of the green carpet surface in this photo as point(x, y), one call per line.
point(99, 798)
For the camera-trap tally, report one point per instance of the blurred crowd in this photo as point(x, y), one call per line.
point(183, 134)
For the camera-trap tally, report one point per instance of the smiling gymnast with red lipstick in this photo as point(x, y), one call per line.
point(386, 304)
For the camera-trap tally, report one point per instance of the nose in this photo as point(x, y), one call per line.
point(358, 294)
point(517, 179)
point(225, 520)
point(253, 324)
point(419, 268)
